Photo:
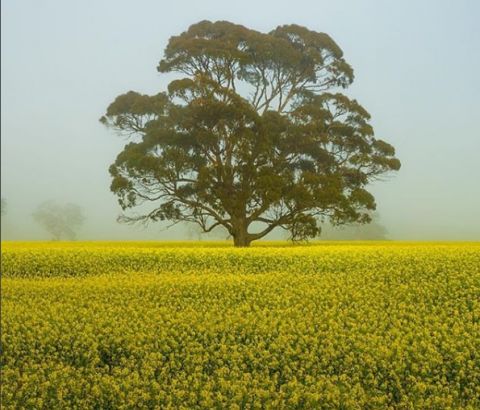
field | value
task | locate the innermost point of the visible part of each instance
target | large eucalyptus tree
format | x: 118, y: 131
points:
x: 254, y: 135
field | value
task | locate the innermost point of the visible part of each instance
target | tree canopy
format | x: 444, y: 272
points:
x: 253, y: 135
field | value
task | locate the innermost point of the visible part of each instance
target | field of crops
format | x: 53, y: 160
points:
x: 204, y: 325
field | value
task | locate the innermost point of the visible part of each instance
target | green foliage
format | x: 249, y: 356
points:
x: 370, y: 326
x: 256, y: 132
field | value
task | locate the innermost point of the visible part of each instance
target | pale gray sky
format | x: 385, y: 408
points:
x: 416, y: 63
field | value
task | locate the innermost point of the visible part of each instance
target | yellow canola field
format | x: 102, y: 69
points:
x: 202, y: 326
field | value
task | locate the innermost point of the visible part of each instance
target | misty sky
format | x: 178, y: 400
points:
x: 417, y: 71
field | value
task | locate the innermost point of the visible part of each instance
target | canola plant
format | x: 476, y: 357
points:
x: 207, y: 326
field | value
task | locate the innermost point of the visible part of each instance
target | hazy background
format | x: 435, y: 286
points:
x: 417, y: 71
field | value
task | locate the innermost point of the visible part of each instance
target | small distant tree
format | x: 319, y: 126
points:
x: 3, y: 207
x: 372, y: 231
x: 61, y: 221
x: 195, y: 232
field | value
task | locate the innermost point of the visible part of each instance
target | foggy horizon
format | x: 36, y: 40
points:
x: 416, y: 71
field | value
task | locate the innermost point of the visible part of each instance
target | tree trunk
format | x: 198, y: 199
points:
x: 241, y: 237
x: 241, y: 241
